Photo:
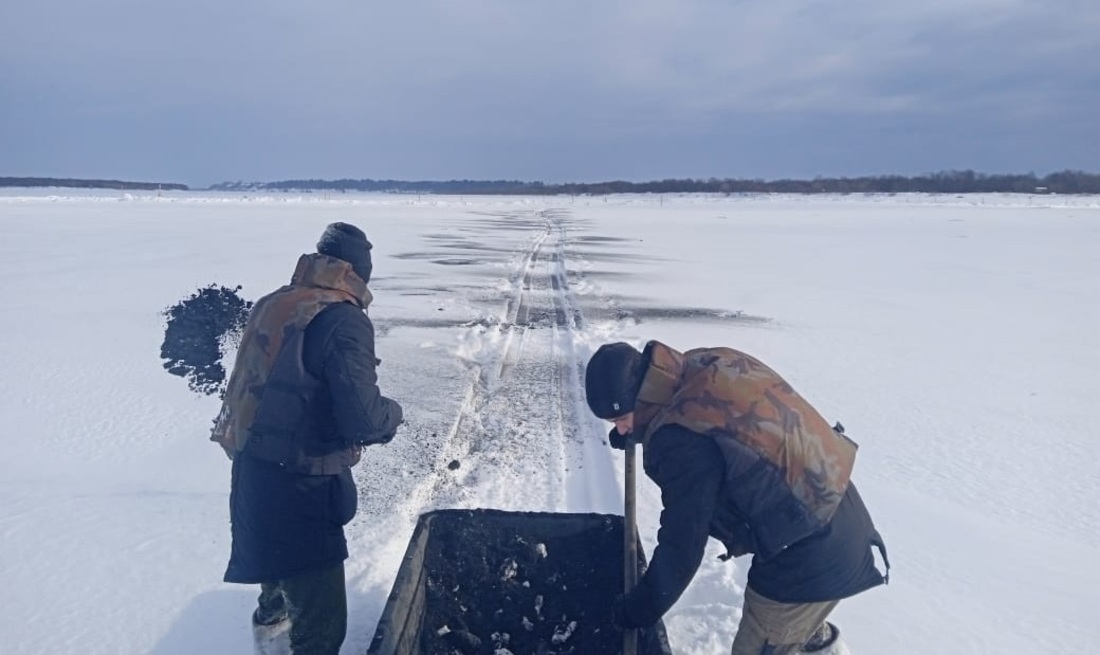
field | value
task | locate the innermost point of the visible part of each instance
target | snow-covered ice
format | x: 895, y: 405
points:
x: 953, y: 336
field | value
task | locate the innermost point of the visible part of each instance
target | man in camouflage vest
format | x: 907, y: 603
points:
x: 301, y: 404
x: 741, y: 457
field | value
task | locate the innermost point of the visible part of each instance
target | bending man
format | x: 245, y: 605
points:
x: 741, y: 457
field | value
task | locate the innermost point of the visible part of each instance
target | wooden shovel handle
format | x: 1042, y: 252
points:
x: 630, y: 545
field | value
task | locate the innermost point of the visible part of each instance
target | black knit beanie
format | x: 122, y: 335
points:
x: 611, y: 380
x: 349, y: 243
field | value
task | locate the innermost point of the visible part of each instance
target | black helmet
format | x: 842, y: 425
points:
x: 611, y: 380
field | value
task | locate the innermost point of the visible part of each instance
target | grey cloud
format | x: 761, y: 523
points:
x: 450, y: 89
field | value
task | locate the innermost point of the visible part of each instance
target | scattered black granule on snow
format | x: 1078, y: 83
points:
x: 494, y: 586
x: 197, y: 330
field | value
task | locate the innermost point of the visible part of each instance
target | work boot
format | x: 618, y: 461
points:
x: 825, y: 641
x: 262, y: 618
x: 271, y: 606
x: 272, y: 639
x: 271, y: 622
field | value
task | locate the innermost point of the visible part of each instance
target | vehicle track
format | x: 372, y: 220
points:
x: 519, y: 424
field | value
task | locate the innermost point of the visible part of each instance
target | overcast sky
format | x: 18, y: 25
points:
x: 203, y: 91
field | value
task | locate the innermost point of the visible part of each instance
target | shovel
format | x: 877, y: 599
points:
x: 630, y: 545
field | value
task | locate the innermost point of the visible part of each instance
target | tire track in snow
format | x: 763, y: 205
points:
x: 588, y: 476
x: 517, y: 436
x: 522, y: 434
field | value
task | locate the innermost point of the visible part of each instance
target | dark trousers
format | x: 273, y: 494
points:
x: 316, y: 604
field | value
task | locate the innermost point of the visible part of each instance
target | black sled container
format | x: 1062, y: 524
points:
x: 475, y: 581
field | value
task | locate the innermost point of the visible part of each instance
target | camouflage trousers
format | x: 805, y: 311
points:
x: 315, y: 605
x: 771, y: 628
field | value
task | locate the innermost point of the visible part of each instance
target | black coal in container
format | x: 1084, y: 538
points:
x: 496, y: 583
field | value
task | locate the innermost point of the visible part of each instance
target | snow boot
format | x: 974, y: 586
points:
x: 826, y: 641
x: 272, y: 639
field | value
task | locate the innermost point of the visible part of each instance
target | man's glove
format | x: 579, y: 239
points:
x: 620, y: 441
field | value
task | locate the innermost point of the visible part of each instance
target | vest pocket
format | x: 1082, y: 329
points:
x: 275, y: 435
x: 781, y: 525
x: 345, y: 497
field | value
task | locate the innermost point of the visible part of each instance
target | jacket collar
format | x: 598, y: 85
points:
x: 661, y: 381
x: 324, y: 272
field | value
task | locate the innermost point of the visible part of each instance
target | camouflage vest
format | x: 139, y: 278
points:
x: 272, y: 342
x: 725, y: 393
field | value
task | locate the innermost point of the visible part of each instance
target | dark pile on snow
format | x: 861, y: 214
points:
x: 199, y: 328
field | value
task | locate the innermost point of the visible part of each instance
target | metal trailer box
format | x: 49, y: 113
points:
x: 584, y: 547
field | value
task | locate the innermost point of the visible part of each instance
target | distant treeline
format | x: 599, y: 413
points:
x: 1065, y: 182
x: 89, y: 184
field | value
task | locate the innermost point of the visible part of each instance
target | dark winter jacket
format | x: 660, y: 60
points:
x: 285, y: 522
x: 266, y: 409
x: 740, y: 456
x: 796, y: 464
x: 700, y: 492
